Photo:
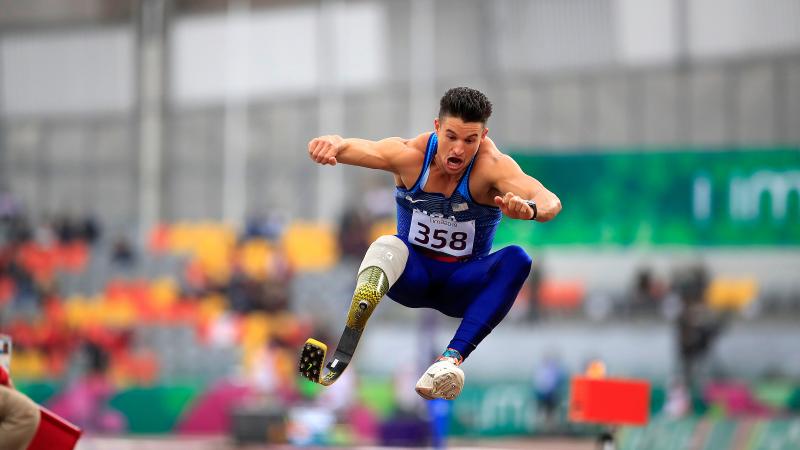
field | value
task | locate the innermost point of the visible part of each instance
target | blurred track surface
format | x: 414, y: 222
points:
x: 222, y: 443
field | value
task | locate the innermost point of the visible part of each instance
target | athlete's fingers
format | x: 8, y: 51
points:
x: 328, y: 154
x: 320, y: 146
x: 498, y: 200
x: 314, y: 149
x: 508, y: 199
x: 520, y: 205
x: 321, y: 153
x: 312, y: 144
x: 501, y: 203
x: 517, y: 205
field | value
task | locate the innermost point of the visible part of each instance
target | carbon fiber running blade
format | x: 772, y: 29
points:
x: 312, y: 359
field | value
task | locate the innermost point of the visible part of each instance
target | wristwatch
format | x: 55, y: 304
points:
x: 532, y: 204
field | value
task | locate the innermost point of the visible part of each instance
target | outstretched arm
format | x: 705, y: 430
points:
x: 391, y: 154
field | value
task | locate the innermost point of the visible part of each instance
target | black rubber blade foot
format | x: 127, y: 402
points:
x: 312, y: 359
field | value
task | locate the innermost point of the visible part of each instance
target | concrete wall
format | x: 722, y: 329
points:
x: 564, y: 76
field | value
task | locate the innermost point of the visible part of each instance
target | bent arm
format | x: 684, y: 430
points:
x: 510, y: 178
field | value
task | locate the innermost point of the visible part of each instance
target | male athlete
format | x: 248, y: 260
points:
x: 452, y: 187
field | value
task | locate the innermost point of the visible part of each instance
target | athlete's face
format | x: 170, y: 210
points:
x: 458, y: 143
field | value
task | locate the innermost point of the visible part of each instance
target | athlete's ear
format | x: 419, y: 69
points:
x: 485, y: 132
x: 436, y: 124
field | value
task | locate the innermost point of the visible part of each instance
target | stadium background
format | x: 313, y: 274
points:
x: 167, y: 245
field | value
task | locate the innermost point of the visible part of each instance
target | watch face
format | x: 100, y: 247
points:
x: 532, y: 204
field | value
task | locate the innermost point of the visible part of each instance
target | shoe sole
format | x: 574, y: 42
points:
x: 443, y: 387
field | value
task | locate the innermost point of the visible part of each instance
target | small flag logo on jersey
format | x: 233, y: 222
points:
x: 458, y: 207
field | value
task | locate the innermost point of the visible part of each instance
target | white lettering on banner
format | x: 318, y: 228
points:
x: 746, y: 193
x: 445, y: 235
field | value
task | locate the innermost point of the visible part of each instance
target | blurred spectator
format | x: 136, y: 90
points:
x: 65, y: 229
x: 86, y: 402
x: 548, y: 385
x: 679, y: 401
x: 122, y: 253
x: 648, y: 291
x: 19, y: 230
x: 697, y: 325
x: 89, y: 230
x: 9, y: 206
x: 353, y: 233
x: 534, y: 283
x: 269, y: 226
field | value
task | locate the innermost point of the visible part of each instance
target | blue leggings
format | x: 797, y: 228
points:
x: 481, y: 290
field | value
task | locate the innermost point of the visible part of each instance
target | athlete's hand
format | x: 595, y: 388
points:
x: 324, y: 149
x: 514, y: 206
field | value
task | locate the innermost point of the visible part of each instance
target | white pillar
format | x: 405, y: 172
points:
x: 151, y: 33
x: 424, y: 99
x: 330, y: 180
x: 236, y: 132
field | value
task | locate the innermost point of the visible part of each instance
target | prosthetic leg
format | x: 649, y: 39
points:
x: 383, y: 264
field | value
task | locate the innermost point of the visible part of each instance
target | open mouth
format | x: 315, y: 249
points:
x: 454, y: 162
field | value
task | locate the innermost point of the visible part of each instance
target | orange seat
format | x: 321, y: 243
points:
x: 254, y: 257
x: 731, y: 293
x: 159, y: 239
x: 310, y: 246
x: 561, y: 294
x: 381, y: 228
x: 74, y: 256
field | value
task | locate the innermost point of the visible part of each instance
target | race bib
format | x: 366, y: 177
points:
x: 442, y: 234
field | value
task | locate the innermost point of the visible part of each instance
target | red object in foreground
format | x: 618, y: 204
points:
x: 54, y: 433
x: 5, y: 380
x: 609, y: 401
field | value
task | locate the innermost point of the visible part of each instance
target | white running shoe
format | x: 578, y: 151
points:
x: 443, y: 379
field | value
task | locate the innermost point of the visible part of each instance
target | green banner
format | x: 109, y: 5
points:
x: 719, y: 198
x: 500, y: 409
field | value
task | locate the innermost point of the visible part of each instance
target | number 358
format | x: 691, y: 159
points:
x: 457, y: 240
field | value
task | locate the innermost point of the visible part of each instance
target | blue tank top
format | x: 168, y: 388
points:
x: 455, y: 225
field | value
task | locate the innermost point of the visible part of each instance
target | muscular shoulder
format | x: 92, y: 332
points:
x: 410, y: 160
x: 491, y: 164
x: 490, y: 161
x: 420, y: 143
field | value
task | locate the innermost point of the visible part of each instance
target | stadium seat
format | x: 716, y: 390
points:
x: 561, y: 294
x: 731, y: 293
x: 310, y: 247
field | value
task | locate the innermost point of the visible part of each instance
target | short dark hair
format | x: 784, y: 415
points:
x: 469, y: 105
